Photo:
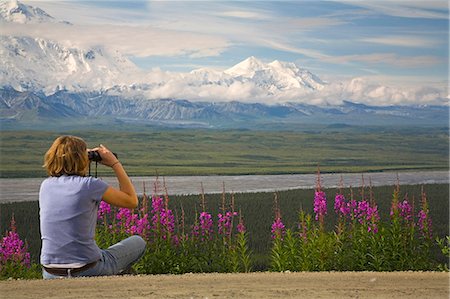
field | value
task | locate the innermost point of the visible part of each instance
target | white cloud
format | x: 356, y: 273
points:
x: 404, y: 41
x: 369, y: 91
x: 390, y: 59
x: 316, y: 22
x: 88, y: 12
x: 242, y: 14
x: 188, y: 86
x: 129, y: 40
x: 407, y: 9
x: 366, y: 90
x: 280, y: 45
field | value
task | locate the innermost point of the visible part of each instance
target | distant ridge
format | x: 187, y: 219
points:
x: 26, y: 108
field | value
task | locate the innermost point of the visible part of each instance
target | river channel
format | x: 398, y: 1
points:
x: 27, y: 189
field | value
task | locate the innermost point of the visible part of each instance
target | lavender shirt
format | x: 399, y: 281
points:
x: 68, y: 216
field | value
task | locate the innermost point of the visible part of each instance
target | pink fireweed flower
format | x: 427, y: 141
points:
x: 163, y: 220
x: 405, y: 210
x: 206, y: 224
x: 167, y: 222
x: 124, y: 214
x: 157, y: 207
x: 12, y: 248
x: 195, y: 230
x: 366, y: 215
x: 103, y: 209
x: 340, y: 206
x: 127, y: 220
x: 352, y: 208
x: 320, y: 205
x: 424, y: 223
x: 361, y: 211
x: 372, y: 218
x: 142, y: 225
x: 225, y: 222
x: 394, y: 213
x: 221, y: 223
x: 278, y: 229
x: 241, y: 227
x: 176, y: 240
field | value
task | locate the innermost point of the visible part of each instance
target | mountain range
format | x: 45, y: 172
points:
x: 44, y: 81
x: 34, y: 110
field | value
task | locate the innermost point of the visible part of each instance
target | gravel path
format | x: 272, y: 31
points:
x: 253, y: 285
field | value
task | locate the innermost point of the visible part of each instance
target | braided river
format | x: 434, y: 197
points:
x: 27, y: 189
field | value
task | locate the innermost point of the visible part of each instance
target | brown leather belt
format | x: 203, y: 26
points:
x: 69, y: 271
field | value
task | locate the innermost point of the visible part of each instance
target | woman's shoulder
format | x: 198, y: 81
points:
x: 64, y: 181
x: 87, y: 180
x: 94, y: 182
x: 70, y: 179
x: 74, y: 182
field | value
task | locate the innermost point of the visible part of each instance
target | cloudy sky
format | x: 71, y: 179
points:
x: 400, y: 44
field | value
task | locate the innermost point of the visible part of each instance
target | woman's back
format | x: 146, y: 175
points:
x: 68, y: 214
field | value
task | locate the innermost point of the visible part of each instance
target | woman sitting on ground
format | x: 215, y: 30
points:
x: 68, y: 203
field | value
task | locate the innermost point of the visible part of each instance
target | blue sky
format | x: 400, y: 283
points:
x: 400, y: 43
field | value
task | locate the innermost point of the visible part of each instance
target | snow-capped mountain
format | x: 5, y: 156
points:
x: 275, y: 75
x: 38, y: 64
x: 15, y: 12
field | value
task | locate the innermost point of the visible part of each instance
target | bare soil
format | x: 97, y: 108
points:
x: 253, y: 285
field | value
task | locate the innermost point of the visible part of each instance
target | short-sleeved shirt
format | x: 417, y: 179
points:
x: 68, y: 216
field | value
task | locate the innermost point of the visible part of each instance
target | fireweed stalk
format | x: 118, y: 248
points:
x: 14, y: 256
x: 398, y: 235
x: 12, y: 248
x: 279, y: 258
x: 320, y: 203
x: 242, y: 250
x: 278, y: 228
x: 224, y: 222
x: 234, y: 253
x: 342, y: 210
x: 206, y: 226
x: 307, y: 234
x: 424, y: 221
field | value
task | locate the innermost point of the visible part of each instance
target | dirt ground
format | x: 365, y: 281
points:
x: 253, y: 285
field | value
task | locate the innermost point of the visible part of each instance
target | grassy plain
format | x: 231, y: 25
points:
x: 146, y: 151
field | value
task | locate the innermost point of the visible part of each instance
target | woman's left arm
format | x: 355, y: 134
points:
x: 125, y: 196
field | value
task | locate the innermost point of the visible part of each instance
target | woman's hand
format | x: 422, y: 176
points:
x: 108, y: 157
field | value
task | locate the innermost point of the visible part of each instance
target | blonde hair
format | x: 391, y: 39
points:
x: 67, y: 155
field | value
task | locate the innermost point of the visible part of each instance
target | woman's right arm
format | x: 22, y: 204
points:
x: 125, y: 196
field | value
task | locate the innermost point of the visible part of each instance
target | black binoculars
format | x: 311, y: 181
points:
x: 95, y: 156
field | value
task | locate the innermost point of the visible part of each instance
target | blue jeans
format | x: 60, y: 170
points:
x: 114, y: 260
